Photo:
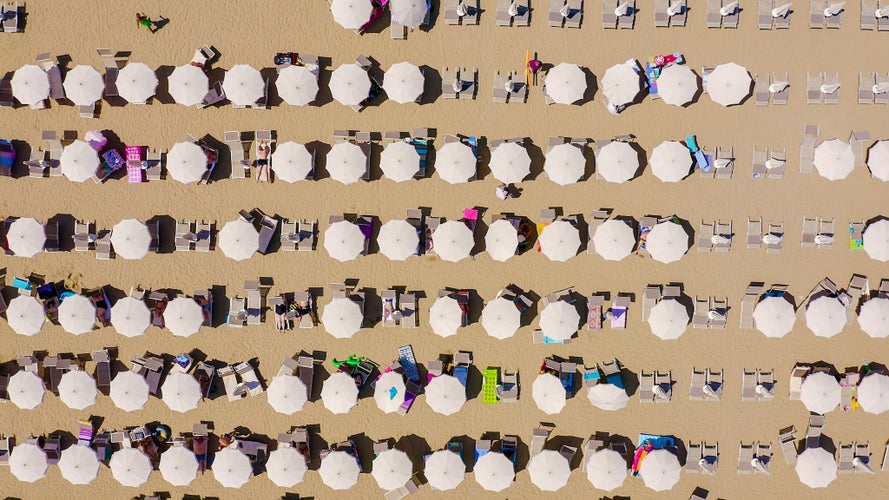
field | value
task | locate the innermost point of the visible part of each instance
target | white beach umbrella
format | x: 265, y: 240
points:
x: 510, y: 162
x: 549, y: 470
x: 564, y: 164
x: 565, y: 83
x: 501, y: 240
x: 25, y: 315
x: 816, y: 467
x: 445, y: 316
x: 286, y: 467
x: 79, y: 465
x: 238, y: 240
x: 873, y: 317
x: 493, y: 471
x: 559, y: 241
x: 291, y: 161
x: 667, y: 242
x: 129, y: 391
x: 878, y: 160
x: 79, y: 161
x: 84, y: 85
x: 188, y: 85
x: 178, y: 466
x: 130, y: 467
x: 621, y: 84
x: 389, y: 392
x: 453, y: 241
x: 339, y: 470
x: 186, y: 162
x: 834, y: 159
x: 77, y: 314
x: 608, y: 397
x: 130, y: 317
x: 728, y: 84
x: 346, y: 162
x: 136, y: 82
x: 444, y: 470
x: 342, y: 318
x: 403, y: 82
x: 873, y: 393
x: 668, y: 319
x: 455, y: 162
x: 410, y: 13
x: 243, y: 85
x: 297, y: 85
x: 559, y: 320
x: 660, y: 470
x: 182, y: 392
x: 398, y: 239
x: 820, y: 392
x: 26, y: 390
x: 826, y: 316
x: 183, y: 317
x: 30, y: 85
x: 343, y: 240
x: 351, y: 14
x: 606, y: 469
x: 876, y: 240
x: 501, y: 318
x: 617, y: 162
x: 77, y: 389
x: 677, y: 85
x: 231, y: 468
x: 392, y: 469
x: 27, y: 462
x: 130, y: 239
x: 287, y: 394
x: 25, y: 237
x: 614, y: 239
x: 670, y: 161
x: 339, y: 393
x: 548, y: 393
x: 349, y: 84
x: 400, y: 161
x: 774, y: 316
x: 446, y: 395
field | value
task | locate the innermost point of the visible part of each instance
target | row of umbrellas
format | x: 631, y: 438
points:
x: 350, y: 84
x: 821, y: 392
x: 188, y: 85
x: 549, y: 470
x: 456, y: 162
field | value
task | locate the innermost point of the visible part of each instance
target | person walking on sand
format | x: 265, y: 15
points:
x: 143, y: 20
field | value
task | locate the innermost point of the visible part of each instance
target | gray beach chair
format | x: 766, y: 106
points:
x: 723, y: 229
x: 748, y: 385
x: 448, y: 77
x: 764, y: 17
x: 575, y: 14
x: 698, y: 381
x: 661, y: 18
x: 519, y: 91
x: 664, y: 380
x: 795, y: 382
x: 714, y: 19
x: 827, y: 227
x: 646, y: 387
x: 650, y: 297
x: 503, y: 17
x: 807, y: 148
x: 705, y: 236
x: 731, y: 20
x: 745, y: 457
x: 868, y: 21
x: 835, y: 21
x: 780, y: 97
x: 761, y: 91
x: 680, y: 18
x: 883, y: 22
x: 500, y: 94
x: 844, y: 459
x: 467, y: 90
x: 833, y: 97
x: 760, y: 156
x: 556, y: 19
x: 693, y: 458
x: 627, y: 21
x: 523, y: 18
x: 882, y: 97
x: 787, y: 438
x: 810, y: 228
x: 609, y: 18
x: 781, y: 157
x: 775, y: 229
x: 813, y: 88
x: 725, y: 154
x: 754, y: 233
x: 866, y: 88
x: 816, y: 14
x: 860, y: 140
x: 764, y: 455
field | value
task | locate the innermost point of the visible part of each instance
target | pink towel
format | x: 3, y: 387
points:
x: 134, y: 174
x: 470, y: 214
x: 134, y: 153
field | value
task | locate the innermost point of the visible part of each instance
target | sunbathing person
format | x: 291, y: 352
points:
x: 101, y: 308
x: 388, y: 310
x: 262, y: 161
x: 281, y: 322
x: 205, y: 308
x: 159, y: 307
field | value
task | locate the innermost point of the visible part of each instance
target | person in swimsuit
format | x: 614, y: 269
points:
x: 262, y: 161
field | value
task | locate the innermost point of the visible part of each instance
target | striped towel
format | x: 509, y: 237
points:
x: 134, y: 174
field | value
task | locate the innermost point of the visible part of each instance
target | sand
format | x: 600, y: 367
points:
x: 249, y: 33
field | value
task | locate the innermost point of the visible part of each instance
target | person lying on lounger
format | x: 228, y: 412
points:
x: 262, y: 161
x: 281, y: 322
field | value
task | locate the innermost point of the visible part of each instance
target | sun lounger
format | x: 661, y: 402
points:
x: 882, y: 97
x: 713, y: 388
x: 776, y: 231
x: 780, y: 98
x: 796, y: 381
x: 500, y: 94
x: 664, y: 382
x: 814, y: 431
x: 701, y: 318
x: 868, y: 20
x: 230, y: 381
x: 745, y: 457
x: 718, y: 313
x: 693, y: 458
x: 248, y: 376
x: 409, y: 317
x: 523, y: 17
x: 860, y: 140
x: 787, y: 438
x: 714, y: 18
x: 826, y: 229
x: 780, y: 158
x: 650, y: 297
x: 862, y: 453
x: 865, y: 88
x: 760, y: 156
x: 748, y: 385
x: 609, y: 18
x: 467, y: 90
x: 705, y: 236
x: 575, y: 14
x: 595, y: 305
x: 764, y: 16
x: 625, y: 22
x: 519, y: 91
x: 661, y: 18
x: 810, y: 228
x: 11, y: 17
x: 646, y: 387
x: 883, y: 22
x: 833, y: 97
x: 807, y: 149
x: 503, y: 17
x: 816, y: 14
x: 448, y: 77
x: 698, y: 380
x: 539, y: 436
x: 761, y: 90
x: 763, y: 456
x: 813, y: 88
x: 237, y: 312
x: 730, y: 20
x: 619, y: 307
x: 724, y: 231
x: 748, y: 303
x: 254, y: 302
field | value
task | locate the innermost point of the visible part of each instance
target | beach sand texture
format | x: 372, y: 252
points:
x: 252, y: 32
